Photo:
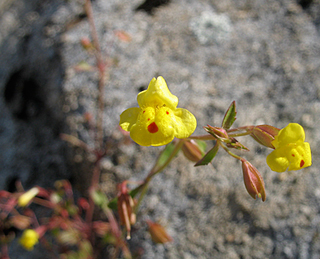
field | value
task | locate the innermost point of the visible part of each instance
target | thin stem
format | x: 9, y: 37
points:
x: 101, y: 67
x: 239, y: 134
x: 93, y: 186
x: 157, y: 169
x: 142, y: 194
x: 202, y: 137
x: 93, y: 30
x: 229, y: 152
x: 43, y: 202
x: 248, y: 129
x: 75, y: 141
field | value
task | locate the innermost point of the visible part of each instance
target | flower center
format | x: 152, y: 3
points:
x: 153, y: 128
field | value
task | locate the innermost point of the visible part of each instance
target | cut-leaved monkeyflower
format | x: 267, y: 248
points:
x: 291, y: 152
x: 157, y: 120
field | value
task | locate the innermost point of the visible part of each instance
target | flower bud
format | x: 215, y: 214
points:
x: 192, y: 151
x: 217, y: 132
x: 158, y: 233
x: 101, y: 228
x: 126, y: 208
x: 20, y: 221
x: 86, y: 43
x: 29, y: 239
x: 25, y: 198
x: 264, y: 134
x: 70, y: 236
x: 253, y: 180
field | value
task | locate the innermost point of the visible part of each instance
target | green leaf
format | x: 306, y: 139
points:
x: 99, y: 198
x: 209, y: 156
x: 230, y: 116
x: 202, y: 145
x: 165, y: 157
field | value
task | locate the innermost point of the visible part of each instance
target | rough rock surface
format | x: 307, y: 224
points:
x: 265, y: 55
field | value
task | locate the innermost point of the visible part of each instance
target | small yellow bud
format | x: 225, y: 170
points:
x: 25, y: 198
x: 29, y: 239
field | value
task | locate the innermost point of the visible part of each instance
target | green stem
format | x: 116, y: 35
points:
x: 229, y: 152
x: 143, y: 193
x: 157, y: 169
x: 248, y: 129
x: 239, y: 134
x: 202, y: 137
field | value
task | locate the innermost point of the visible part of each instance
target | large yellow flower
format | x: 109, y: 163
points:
x: 157, y: 120
x: 291, y: 152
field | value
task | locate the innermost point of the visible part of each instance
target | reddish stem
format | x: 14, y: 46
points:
x: 101, y: 67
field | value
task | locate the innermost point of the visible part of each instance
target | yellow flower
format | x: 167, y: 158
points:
x: 25, y: 198
x: 29, y: 238
x: 157, y: 120
x: 291, y: 152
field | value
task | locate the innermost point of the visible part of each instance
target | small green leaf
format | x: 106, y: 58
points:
x: 202, y: 145
x: 165, y: 157
x: 230, y: 116
x: 236, y: 144
x: 209, y: 156
x: 99, y: 198
x: 83, y: 66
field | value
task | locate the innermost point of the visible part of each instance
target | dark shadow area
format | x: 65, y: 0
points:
x: 149, y: 6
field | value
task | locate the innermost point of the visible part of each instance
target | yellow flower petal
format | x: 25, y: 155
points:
x: 300, y: 156
x: 157, y: 94
x: 290, y: 134
x: 128, y: 118
x: 151, y: 129
x: 277, y: 162
x: 184, y: 124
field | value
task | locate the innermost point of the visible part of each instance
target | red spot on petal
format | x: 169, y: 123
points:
x: 293, y: 155
x: 301, y: 163
x: 153, y: 128
x: 167, y: 112
x: 143, y: 111
x: 148, y: 119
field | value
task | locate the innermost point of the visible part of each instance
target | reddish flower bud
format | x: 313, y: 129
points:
x: 126, y: 208
x: 253, y: 180
x: 158, y: 233
x: 101, y: 228
x: 192, y: 151
x: 264, y: 134
x: 219, y: 133
x: 86, y: 43
x: 20, y: 221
